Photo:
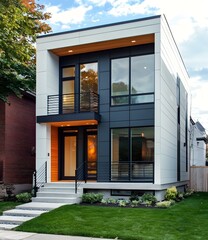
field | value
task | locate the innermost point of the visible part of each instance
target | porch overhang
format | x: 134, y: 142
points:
x: 76, y: 119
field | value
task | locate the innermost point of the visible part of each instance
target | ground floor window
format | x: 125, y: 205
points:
x: 132, y: 154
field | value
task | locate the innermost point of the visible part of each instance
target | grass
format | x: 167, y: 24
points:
x: 7, y: 206
x: 185, y: 220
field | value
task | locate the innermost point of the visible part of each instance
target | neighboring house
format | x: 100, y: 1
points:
x: 17, y: 141
x: 112, y: 103
x: 198, y: 141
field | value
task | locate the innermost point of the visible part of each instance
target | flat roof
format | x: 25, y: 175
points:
x: 99, y: 26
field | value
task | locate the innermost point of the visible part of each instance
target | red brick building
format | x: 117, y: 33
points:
x: 17, y: 141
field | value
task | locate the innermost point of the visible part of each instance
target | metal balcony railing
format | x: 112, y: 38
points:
x: 140, y: 171
x: 73, y: 103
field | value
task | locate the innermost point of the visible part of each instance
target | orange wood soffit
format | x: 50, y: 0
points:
x: 74, y: 123
x: 105, y: 45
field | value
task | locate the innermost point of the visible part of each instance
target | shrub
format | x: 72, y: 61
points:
x: 92, y: 197
x: 148, y: 199
x: 171, y: 193
x: 111, y: 201
x: 134, y: 197
x: 164, y: 204
x: 135, y: 203
x: 24, y: 197
x: 123, y: 203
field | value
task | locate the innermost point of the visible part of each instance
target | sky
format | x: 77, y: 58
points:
x: 188, y: 21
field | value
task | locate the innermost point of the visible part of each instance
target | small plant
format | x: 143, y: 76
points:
x: 104, y: 201
x: 180, y: 196
x: 111, y: 201
x: 188, y: 192
x: 134, y: 197
x: 92, y: 197
x: 24, y: 197
x: 148, y: 199
x: 164, y: 204
x: 171, y: 193
x: 123, y: 203
x: 135, y: 203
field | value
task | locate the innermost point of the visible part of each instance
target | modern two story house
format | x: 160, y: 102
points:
x: 112, y: 108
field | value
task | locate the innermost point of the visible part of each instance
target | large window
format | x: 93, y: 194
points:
x: 88, y: 85
x: 132, y: 80
x: 132, y: 154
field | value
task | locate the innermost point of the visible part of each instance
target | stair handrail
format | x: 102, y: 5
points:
x: 39, y: 178
x: 79, y: 172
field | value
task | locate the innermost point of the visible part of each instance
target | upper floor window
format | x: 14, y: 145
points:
x: 132, y: 80
x: 89, y: 77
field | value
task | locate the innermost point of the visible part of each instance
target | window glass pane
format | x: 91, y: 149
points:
x: 120, y: 154
x: 142, y: 98
x: 119, y: 100
x: 68, y: 72
x: 89, y: 77
x: 120, y: 76
x: 68, y: 96
x: 142, y: 142
x: 142, y: 74
x: 68, y: 87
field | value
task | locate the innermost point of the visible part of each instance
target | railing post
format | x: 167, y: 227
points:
x: 45, y: 171
x: 35, y: 183
x: 76, y: 181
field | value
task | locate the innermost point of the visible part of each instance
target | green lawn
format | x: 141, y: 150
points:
x: 7, y: 205
x: 185, y: 220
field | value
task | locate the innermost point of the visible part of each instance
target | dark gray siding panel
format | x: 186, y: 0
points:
x: 104, y: 80
x: 104, y: 96
x: 119, y: 116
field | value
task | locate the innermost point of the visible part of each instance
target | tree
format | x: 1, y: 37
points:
x: 20, y: 22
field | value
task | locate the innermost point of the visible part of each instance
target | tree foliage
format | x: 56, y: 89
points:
x: 20, y: 22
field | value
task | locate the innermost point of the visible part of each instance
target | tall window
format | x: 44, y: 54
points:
x: 132, y: 80
x: 68, y: 78
x: 132, y: 154
x: 88, y: 85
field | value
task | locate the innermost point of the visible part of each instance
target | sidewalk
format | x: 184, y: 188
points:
x: 14, y: 235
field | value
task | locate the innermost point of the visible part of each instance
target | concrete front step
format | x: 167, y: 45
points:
x: 14, y: 219
x: 58, y: 189
x: 40, y: 206
x: 60, y: 184
x: 57, y: 194
x: 8, y: 226
x: 23, y: 213
x: 69, y: 200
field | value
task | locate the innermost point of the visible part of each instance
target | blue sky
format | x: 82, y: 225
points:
x: 188, y: 21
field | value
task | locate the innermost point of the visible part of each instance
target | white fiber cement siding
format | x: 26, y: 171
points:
x: 94, y: 35
x: 47, y: 83
x: 166, y: 110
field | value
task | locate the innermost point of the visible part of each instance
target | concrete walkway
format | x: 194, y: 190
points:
x: 13, y: 235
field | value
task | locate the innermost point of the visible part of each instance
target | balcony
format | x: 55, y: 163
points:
x: 73, y: 103
x: 72, y: 108
x: 133, y: 171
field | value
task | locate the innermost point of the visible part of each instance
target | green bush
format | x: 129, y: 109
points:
x: 24, y: 197
x: 92, y: 197
x: 123, y: 202
x: 148, y: 199
x: 164, y: 204
x: 171, y: 193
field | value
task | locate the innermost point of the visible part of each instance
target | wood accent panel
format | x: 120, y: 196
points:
x: 54, y: 154
x: 104, y: 45
x: 74, y: 123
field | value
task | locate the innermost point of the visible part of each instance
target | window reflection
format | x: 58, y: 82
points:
x: 120, y: 76
x: 137, y: 72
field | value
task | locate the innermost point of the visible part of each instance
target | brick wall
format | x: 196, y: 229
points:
x: 19, y: 162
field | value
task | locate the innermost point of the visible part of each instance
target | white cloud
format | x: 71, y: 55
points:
x: 74, y: 15
x: 199, y: 93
